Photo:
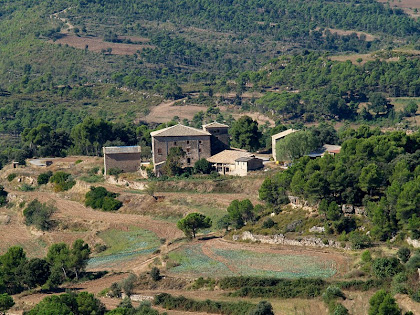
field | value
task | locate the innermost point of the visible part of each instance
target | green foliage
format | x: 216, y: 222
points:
x: 100, y: 198
x: 359, y: 240
x: 114, y: 172
x: 202, y: 166
x: 44, y: 178
x: 403, y: 254
x: 382, y: 303
x: 386, y: 267
x: 240, y: 212
x: 262, y: 308
x: 192, y: 223
x: 296, y: 145
x: 11, y: 177
x: 268, y: 223
x: 245, y: 134
x: 155, y: 274
x: 62, y: 181
x: 181, y: 303
x: 127, y: 285
x: 6, y: 302
x: 340, y: 309
x: 38, y: 214
x: 83, y: 303
x: 173, y: 164
x: 3, y: 196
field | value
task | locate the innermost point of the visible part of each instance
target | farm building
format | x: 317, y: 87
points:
x: 278, y: 137
x: 125, y: 158
x: 233, y: 162
x: 219, y: 136
x: 325, y: 149
x: 194, y: 142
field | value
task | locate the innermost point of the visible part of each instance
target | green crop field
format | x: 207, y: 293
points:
x: 124, y: 245
x: 191, y: 260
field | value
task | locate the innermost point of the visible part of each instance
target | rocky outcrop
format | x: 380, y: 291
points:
x: 414, y: 243
x: 123, y: 182
x: 282, y: 240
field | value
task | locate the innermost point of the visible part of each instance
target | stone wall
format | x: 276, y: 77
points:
x: 127, y: 162
x: 280, y: 239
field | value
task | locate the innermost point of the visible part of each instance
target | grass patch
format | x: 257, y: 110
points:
x: 124, y: 245
x: 92, y: 178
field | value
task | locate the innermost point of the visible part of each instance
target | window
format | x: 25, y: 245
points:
x: 174, y: 142
x: 188, y: 150
x: 200, y: 142
x: 199, y: 150
x: 160, y: 151
x: 188, y: 142
x: 188, y: 161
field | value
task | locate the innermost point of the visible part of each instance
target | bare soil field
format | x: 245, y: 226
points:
x: 407, y: 5
x: 97, y: 44
x: 165, y: 111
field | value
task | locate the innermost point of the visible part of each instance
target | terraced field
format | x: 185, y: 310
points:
x: 124, y: 246
x: 217, y: 258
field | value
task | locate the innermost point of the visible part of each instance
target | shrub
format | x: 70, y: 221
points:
x: 382, y: 303
x: 268, y: 223
x: 100, y: 198
x: 202, y: 166
x: 127, y: 285
x: 359, y: 241
x: 3, y: 196
x: 43, y: 178
x: 386, y: 267
x: 38, y: 214
x: 340, y: 309
x: 414, y: 262
x: 155, y: 274
x: 168, y: 301
x: 114, y: 171
x: 62, y: 181
x: 26, y: 187
x: 6, y: 302
x: 11, y: 176
x: 416, y: 296
x: 332, y: 293
x: 263, y: 308
x: 404, y: 254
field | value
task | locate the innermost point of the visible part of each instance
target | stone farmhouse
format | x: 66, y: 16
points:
x: 235, y: 162
x: 125, y: 158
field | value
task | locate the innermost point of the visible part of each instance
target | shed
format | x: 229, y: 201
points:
x: 233, y: 162
x: 125, y: 158
x: 277, y: 137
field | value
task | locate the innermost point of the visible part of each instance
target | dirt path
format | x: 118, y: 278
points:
x: 65, y: 21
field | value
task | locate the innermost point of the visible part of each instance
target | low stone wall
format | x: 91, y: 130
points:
x: 280, y: 239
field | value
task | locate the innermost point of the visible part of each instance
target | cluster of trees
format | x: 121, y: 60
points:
x: 100, y: 198
x: 324, y: 88
x: 379, y: 171
x: 62, y: 263
x: 238, y: 214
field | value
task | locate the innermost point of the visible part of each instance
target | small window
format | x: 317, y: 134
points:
x: 200, y: 142
x: 160, y: 151
x: 199, y: 150
x: 174, y: 142
x: 188, y: 161
x: 188, y: 150
x: 188, y: 142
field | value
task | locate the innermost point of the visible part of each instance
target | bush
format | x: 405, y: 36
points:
x: 386, y: 267
x: 416, y: 296
x: 359, y: 241
x: 263, y: 308
x: 11, y: 176
x: 38, y: 214
x: 340, y: 309
x: 44, y: 178
x: 100, y: 198
x: 127, y: 285
x: 114, y: 171
x: 404, y: 254
x: 268, y: 223
x: 414, y: 262
x: 155, y: 274
x: 382, y: 303
x: 203, y: 166
x: 26, y: 187
x: 332, y: 293
x: 3, y: 196
x: 62, y: 181
x: 168, y: 301
x: 6, y: 302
